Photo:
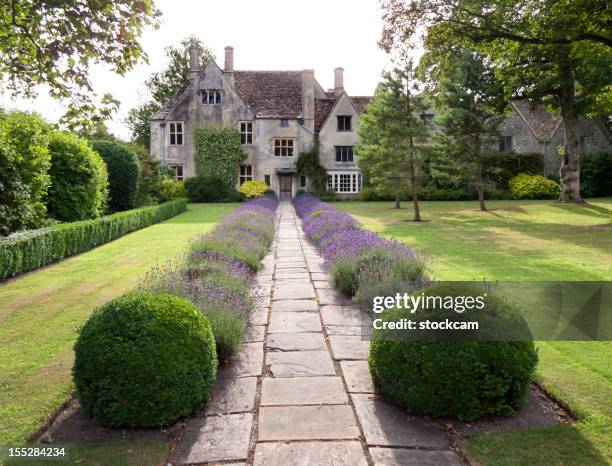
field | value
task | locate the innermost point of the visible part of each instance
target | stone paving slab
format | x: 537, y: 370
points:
x: 299, y: 363
x: 296, y: 342
x: 247, y: 363
x: 290, y: 265
x: 280, y: 273
x: 385, y: 424
x: 349, y: 347
x: 259, y: 316
x: 233, y: 396
x: 319, y: 276
x: 343, y: 315
x: 357, y: 376
x: 303, y: 391
x: 323, y: 285
x: 294, y: 292
x: 295, y: 305
x: 307, y: 423
x: 332, y: 297
x: 413, y: 457
x: 215, y: 438
x: 292, y: 322
x: 364, y: 332
x: 302, y: 276
x: 347, y: 453
x: 254, y: 333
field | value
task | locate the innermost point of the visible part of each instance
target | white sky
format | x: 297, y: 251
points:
x: 266, y: 35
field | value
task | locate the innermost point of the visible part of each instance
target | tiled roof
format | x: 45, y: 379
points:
x: 322, y: 109
x: 360, y: 102
x: 270, y: 94
x: 163, y: 112
x: 540, y: 121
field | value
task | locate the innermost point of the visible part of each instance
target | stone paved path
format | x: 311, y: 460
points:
x: 299, y: 392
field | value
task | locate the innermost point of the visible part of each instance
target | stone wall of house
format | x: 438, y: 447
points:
x: 330, y: 137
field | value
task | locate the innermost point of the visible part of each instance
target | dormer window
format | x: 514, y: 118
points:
x: 344, y: 123
x: 211, y: 97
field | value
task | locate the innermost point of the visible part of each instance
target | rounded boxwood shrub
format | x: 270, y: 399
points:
x: 468, y: 378
x: 253, y: 188
x: 79, y: 179
x: 123, y: 173
x: 524, y: 186
x: 144, y: 360
x: 206, y: 188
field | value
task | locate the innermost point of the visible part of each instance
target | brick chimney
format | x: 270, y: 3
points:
x: 308, y: 85
x: 194, y: 60
x: 229, y: 59
x: 338, y: 80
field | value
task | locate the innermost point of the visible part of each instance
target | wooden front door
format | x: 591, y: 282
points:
x: 285, y: 187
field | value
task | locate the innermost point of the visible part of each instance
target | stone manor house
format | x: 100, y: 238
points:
x: 281, y: 113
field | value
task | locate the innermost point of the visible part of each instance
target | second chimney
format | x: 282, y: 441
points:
x: 229, y: 58
x: 338, y: 80
x: 194, y: 59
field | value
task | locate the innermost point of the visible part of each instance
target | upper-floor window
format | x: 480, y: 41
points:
x: 427, y: 118
x: 344, y: 153
x: 505, y: 144
x: 344, y: 122
x: 178, y: 171
x: 246, y: 132
x: 283, y: 147
x: 211, y: 97
x: 284, y: 121
x: 246, y: 173
x: 176, y: 133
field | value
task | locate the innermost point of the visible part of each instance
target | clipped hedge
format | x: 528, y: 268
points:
x: 144, y: 360
x: 467, y: 379
x: 29, y: 250
x: 596, y: 174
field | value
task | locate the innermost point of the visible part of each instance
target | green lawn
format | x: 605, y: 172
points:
x: 524, y: 240
x: 40, y: 311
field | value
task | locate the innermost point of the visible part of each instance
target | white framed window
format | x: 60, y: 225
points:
x: 344, y: 153
x: 505, y: 144
x: 344, y: 182
x: 211, y: 97
x: 246, y: 173
x: 246, y: 132
x: 178, y: 171
x: 283, y: 147
x: 176, y: 133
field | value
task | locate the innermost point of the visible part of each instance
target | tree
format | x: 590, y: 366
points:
x: 392, y: 135
x: 55, y: 43
x: 162, y: 86
x: 24, y: 171
x: 472, y: 104
x: 552, y: 52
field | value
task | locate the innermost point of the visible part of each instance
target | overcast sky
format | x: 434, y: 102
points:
x: 266, y: 35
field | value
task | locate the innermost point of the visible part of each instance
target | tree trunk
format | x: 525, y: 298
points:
x: 569, y: 173
x: 478, y: 176
x: 397, y: 202
x: 413, y: 186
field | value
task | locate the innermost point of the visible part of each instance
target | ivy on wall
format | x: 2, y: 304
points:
x: 309, y: 164
x: 218, y: 153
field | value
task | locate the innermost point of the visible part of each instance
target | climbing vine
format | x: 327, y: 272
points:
x: 309, y: 164
x: 218, y: 152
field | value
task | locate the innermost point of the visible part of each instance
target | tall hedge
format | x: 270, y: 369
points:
x: 24, y: 165
x: 32, y: 249
x: 596, y: 174
x: 218, y: 153
x: 123, y: 173
x: 79, y: 179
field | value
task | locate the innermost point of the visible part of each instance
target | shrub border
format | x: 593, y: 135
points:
x: 29, y: 250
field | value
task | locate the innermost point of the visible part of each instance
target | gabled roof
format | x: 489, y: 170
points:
x: 323, y: 107
x: 163, y: 112
x: 270, y: 94
x: 541, y: 122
